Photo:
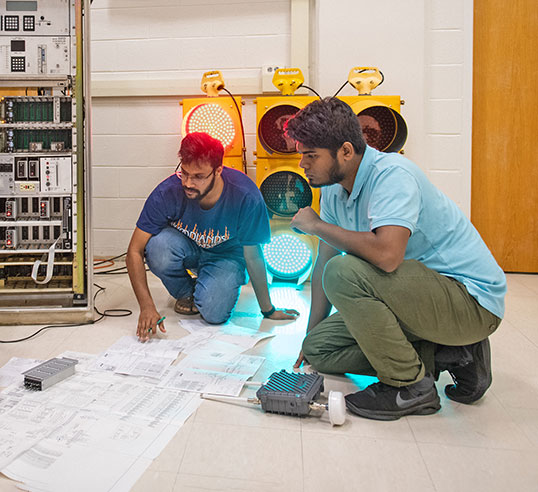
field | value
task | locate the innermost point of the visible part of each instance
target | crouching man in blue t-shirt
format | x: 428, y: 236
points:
x: 418, y: 291
x: 207, y: 219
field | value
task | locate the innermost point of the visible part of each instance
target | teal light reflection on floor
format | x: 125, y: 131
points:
x: 360, y: 380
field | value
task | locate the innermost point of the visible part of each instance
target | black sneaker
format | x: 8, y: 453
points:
x: 471, y: 380
x: 383, y: 402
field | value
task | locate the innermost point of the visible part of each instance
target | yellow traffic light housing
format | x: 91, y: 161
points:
x: 383, y: 126
x: 282, y: 182
x: 271, y: 114
x: 289, y: 256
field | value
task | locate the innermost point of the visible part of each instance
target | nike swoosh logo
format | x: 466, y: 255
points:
x: 401, y: 403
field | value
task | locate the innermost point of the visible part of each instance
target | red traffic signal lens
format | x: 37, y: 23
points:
x: 271, y: 130
x: 382, y: 128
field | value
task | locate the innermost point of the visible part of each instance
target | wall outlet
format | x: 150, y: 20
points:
x: 267, y: 78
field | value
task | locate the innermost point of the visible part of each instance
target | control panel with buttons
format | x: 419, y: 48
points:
x: 11, y: 23
x: 44, y: 18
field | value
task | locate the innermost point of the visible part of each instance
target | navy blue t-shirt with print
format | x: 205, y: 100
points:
x: 239, y: 218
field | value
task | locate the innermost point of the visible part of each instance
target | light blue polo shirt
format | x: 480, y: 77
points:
x: 390, y: 190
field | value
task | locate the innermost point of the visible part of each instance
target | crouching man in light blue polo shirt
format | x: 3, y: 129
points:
x: 417, y: 291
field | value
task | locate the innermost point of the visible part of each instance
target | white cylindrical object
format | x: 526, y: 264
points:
x: 337, y: 408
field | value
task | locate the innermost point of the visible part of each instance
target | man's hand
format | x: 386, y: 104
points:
x: 147, y: 324
x: 299, y: 360
x: 284, y: 314
x: 305, y: 220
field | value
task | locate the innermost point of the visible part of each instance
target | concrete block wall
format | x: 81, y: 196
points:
x: 136, y: 139
x: 448, y: 97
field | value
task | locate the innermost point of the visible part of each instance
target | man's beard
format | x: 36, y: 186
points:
x: 335, y: 176
x: 201, y: 195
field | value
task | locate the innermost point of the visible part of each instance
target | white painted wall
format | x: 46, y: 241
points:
x: 423, y: 48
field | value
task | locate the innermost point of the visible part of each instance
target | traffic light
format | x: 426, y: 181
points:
x: 383, y: 126
x: 282, y: 182
x: 219, y: 116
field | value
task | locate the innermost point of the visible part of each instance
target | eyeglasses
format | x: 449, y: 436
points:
x: 195, y: 178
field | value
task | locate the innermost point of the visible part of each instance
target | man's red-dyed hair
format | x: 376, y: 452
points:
x: 201, y: 147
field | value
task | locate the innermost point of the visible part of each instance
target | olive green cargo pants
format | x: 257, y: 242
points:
x: 388, y: 324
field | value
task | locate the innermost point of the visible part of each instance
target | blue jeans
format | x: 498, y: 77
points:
x: 170, y: 253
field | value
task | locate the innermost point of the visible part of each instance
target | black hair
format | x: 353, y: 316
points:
x: 327, y: 123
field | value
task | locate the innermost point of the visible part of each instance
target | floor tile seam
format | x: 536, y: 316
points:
x: 239, y: 479
x: 361, y: 436
x: 516, y: 407
x: 513, y: 325
x: 533, y: 449
x: 285, y: 429
x: 196, y: 420
x: 184, y: 450
x: 524, y: 335
x: 225, y: 424
x: 517, y: 295
x: 521, y: 284
x: 514, y: 421
x: 302, y: 454
x: 425, y: 464
x: 175, y: 481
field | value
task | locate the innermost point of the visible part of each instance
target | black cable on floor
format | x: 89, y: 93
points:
x: 112, y: 313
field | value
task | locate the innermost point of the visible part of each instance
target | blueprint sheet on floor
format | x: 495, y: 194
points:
x: 91, y: 432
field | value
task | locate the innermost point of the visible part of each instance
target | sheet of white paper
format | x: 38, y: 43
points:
x: 228, y: 332
x: 245, y: 365
x: 12, y: 371
x: 196, y: 339
x: 218, y: 383
x: 148, y: 366
x: 194, y: 325
x: 114, y: 424
x: 105, y: 422
x: 49, y: 466
x: 156, y: 347
x: 216, y: 349
x: 244, y: 340
x: 132, y: 475
x: 84, y: 359
x: 107, y: 361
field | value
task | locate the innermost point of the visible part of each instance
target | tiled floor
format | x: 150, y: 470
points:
x: 489, y: 446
